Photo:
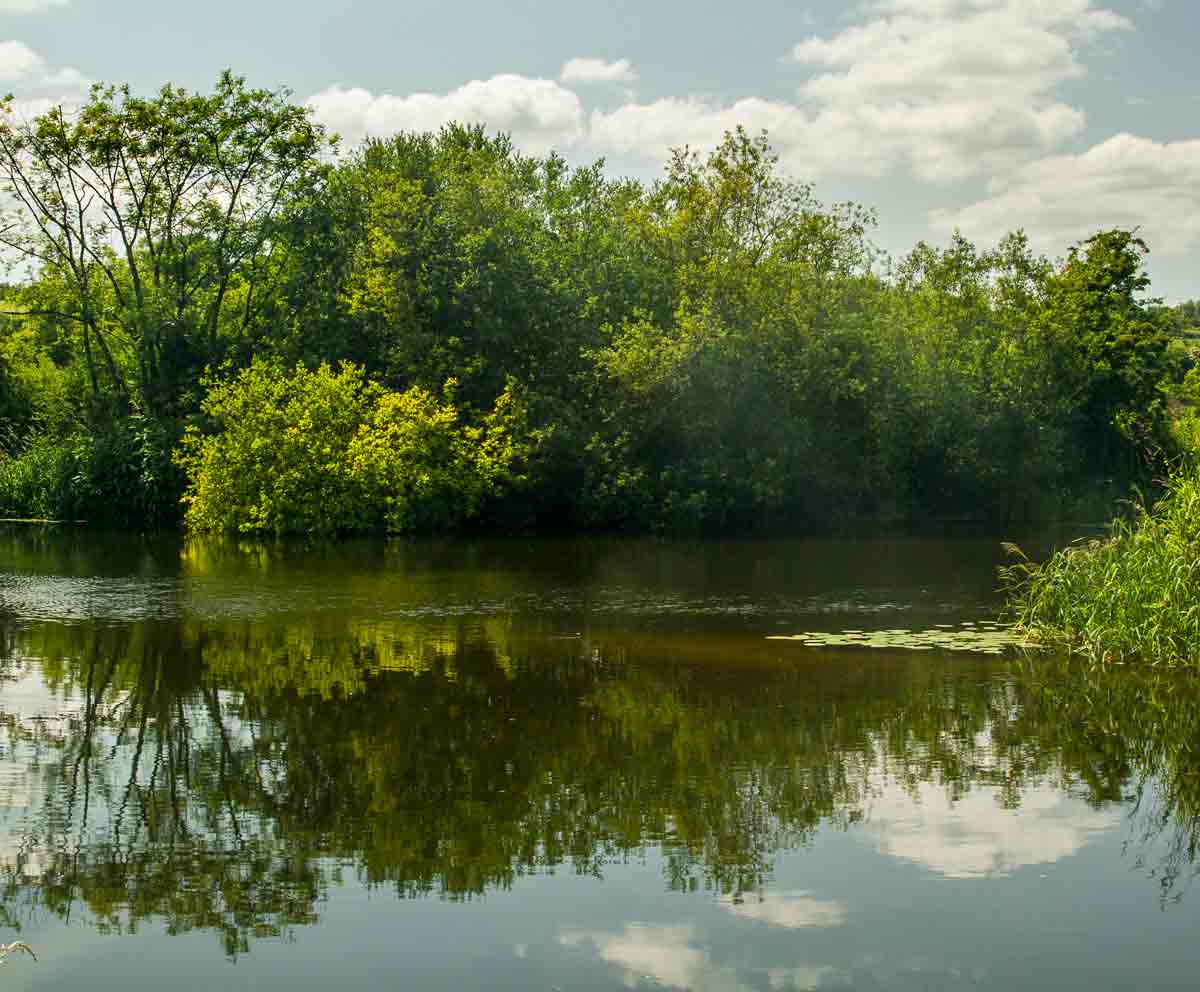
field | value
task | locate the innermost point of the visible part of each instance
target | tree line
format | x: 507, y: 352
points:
x: 213, y: 312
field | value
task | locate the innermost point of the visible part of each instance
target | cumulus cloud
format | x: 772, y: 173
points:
x: 649, y: 130
x: 539, y: 113
x: 589, y: 70
x: 1125, y: 181
x: 945, y: 89
x: 953, y: 87
x: 25, y: 70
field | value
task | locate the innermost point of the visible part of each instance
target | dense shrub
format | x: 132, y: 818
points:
x: 325, y: 451
x: 121, y: 476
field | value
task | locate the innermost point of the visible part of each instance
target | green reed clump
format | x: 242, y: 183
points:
x: 1131, y: 596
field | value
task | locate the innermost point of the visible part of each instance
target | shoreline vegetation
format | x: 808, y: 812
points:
x: 1132, y: 596
x: 217, y: 318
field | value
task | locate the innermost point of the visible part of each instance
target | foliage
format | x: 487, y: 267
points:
x: 153, y: 219
x: 328, y: 451
x: 714, y: 351
x: 1113, y: 358
x: 1131, y: 596
x: 123, y: 476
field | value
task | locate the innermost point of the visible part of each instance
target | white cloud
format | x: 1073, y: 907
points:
x: 650, y: 130
x: 1125, y: 181
x: 954, y: 87
x: 25, y: 71
x: 539, y: 113
x: 589, y: 70
x: 945, y: 89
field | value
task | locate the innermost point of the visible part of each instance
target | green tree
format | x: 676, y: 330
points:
x: 735, y: 397
x: 154, y: 219
x: 1113, y: 357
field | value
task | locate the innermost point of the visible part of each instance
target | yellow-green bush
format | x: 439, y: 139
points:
x: 325, y: 451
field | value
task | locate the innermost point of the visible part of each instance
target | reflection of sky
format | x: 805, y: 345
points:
x: 664, y: 954
x: 671, y: 955
x: 791, y: 910
x: 975, y: 836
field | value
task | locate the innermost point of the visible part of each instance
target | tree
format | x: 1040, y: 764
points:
x: 155, y: 219
x: 1112, y: 348
x: 732, y: 394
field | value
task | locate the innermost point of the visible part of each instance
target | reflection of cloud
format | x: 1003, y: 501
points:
x: 793, y: 910
x: 663, y: 952
x: 668, y: 955
x: 976, y: 837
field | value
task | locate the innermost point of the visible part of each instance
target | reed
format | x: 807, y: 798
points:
x: 1132, y: 596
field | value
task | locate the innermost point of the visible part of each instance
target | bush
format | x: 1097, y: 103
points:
x: 39, y: 481
x: 325, y: 452
x: 121, y: 476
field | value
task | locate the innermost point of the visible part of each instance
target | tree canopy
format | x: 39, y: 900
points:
x: 717, y: 350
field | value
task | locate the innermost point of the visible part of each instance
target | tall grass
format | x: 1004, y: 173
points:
x: 122, y: 476
x: 1131, y: 596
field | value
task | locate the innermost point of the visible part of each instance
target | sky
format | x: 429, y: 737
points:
x: 1062, y: 117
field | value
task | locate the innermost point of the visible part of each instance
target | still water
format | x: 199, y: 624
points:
x: 576, y: 766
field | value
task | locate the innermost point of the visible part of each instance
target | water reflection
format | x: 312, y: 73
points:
x: 975, y: 836
x: 224, y: 769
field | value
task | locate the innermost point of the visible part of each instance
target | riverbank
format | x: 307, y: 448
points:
x: 1132, y: 596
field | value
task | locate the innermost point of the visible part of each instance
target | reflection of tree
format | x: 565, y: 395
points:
x: 1129, y: 734
x: 217, y: 775
x: 144, y: 806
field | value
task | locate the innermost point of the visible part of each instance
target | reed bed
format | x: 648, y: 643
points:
x: 1132, y: 596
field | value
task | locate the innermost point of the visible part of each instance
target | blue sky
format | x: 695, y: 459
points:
x: 1059, y: 116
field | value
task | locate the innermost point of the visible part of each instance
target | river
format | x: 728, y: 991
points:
x: 574, y: 765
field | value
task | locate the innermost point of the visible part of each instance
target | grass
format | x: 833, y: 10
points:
x: 1133, y: 596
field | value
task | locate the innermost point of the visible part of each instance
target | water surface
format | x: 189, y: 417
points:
x: 574, y: 765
